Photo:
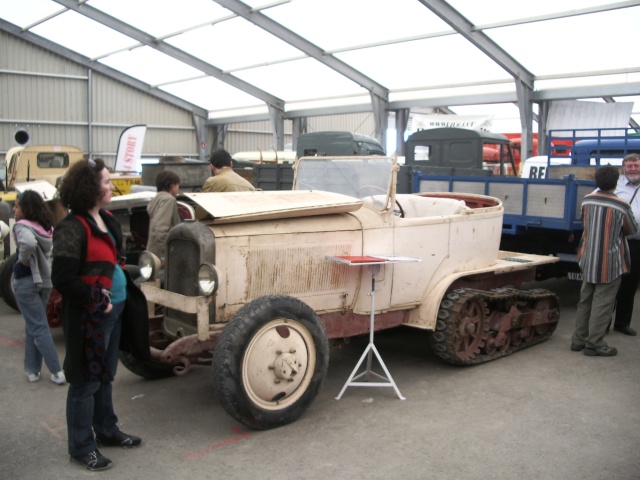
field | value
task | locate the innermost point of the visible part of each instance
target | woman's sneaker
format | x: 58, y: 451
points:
x: 58, y: 378
x: 33, y: 377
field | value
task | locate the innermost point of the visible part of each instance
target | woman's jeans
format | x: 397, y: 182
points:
x: 89, y: 404
x: 38, y: 343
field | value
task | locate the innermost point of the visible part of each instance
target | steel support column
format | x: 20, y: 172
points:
x: 525, y: 105
x: 402, y: 121
x: 220, y: 136
x: 276, y: 116
x: 380, y: 108
x: 299, y: 127
x: 200, y: 124
x: 543, y: 116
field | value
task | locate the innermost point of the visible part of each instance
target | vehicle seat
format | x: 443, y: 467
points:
x: 415, y: 206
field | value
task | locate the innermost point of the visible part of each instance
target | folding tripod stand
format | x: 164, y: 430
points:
x: 373, y: 266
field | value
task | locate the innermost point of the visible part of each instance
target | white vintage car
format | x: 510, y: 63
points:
x: 253, y: 288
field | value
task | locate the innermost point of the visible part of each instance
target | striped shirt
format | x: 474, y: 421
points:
x: 603, y: 253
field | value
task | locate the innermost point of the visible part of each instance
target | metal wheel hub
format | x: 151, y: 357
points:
x: 278, y: 363
x: 286, y: 366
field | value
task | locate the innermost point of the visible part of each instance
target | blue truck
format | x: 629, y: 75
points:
x: 541, y: 215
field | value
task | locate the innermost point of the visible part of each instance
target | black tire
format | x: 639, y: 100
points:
x: 270, y: 361
x: 5, y: 214
x: 148, y: 370
x: 6, y: 275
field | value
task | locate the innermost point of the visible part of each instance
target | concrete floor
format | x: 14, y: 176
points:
x: 543, y: 413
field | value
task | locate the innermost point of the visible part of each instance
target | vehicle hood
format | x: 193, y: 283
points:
x: 232, y: 207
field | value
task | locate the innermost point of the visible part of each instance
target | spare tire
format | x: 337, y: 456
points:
x: 6, y: 275
x: 5, y: 214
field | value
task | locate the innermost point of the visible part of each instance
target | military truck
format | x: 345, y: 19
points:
x: 542, y: 213
x: 37, y: 162
x: 251, y: 289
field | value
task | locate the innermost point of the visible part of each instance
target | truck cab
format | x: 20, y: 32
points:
x: 324, y: 144
x: 37, y: 162
x: 455, y: 151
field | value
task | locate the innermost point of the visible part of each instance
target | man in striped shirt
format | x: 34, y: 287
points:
x: 603, y: 256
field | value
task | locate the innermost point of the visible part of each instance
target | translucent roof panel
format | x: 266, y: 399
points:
x: 490, y: 12
x: 150, y: 66
x: 28, y: 12
x: 425, y: 63
x: 302, y: 79
x: 82, y: 34
x: 262, y: 49
x: 211, y: 94
x: 583, y: 49
x: 335, y: 24
x: 162, y: 17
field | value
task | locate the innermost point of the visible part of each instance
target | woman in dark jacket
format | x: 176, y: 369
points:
x: 88, y: 271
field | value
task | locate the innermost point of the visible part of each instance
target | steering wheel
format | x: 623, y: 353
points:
x: 370, y: 187
x: 398, y: 211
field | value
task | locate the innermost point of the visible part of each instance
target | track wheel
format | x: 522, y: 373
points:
x: 496, y: 342
x: 548, y: 305
x: 270, y: 361
x: 528, y: 334
x: 462, y: 332
x: 471, y: 328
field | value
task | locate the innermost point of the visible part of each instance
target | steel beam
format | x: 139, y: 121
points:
x: 186, y: 58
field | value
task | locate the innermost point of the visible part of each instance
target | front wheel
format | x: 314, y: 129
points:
x: 270, y: 361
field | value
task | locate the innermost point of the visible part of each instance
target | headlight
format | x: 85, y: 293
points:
x: 149, y: 265
x: 207, y: 279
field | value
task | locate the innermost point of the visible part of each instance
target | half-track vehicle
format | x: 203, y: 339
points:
x: 250, y: 290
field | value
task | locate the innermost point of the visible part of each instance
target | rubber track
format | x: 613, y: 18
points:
x: 442, y: 338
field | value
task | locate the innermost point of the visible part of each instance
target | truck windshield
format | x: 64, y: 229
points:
x: 354, y: 176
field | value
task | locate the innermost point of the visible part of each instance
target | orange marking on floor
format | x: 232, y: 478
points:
x: 52, y: 430
x: 11, y: 341
x: 221, y: 444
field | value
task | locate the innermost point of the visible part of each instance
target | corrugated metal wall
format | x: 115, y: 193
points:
x: 252, y: 136
x: 48, y: 96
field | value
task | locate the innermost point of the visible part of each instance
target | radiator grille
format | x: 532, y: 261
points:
x: 183, y: 260
x: 296, y: 270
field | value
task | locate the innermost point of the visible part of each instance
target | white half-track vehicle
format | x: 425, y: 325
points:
x: 249, y: 289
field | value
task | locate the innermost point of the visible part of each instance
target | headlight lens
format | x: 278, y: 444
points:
x: 207, y: 279
x: 149, y: 265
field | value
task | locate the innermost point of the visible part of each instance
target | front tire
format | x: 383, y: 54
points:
x: 270, y: 361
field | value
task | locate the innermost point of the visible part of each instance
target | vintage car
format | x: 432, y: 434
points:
x: 253, y: 289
